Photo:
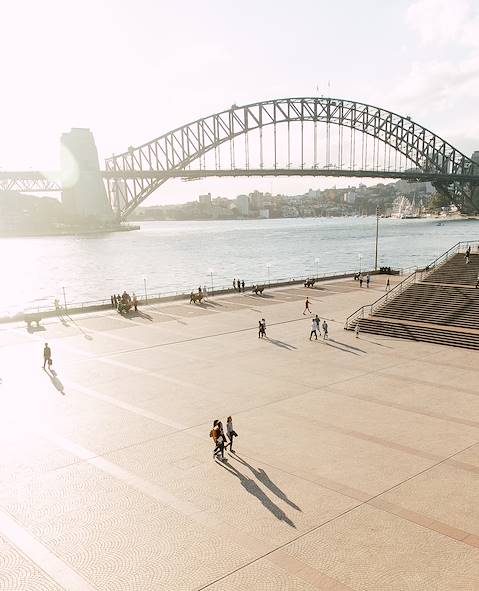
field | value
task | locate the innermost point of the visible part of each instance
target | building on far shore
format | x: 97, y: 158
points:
x: 205, y: 200
x: 242, y: 203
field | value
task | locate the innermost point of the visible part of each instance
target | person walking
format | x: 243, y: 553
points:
x: 230, y: 432
x: 47, y: 356
x: 306, y: 307
x: 361, y: 280
x: 242, y: 284
x: 314, y: 327
x: 214, y: 435
x: 260, y: 329
x: 234, y: 284
x: 325, y: 329
x: 135, y: 302
x: 467, y: 257
x: 388, y: 285
x: 263, y: 326
x: 368, y: 280
x: 318, y: 324
x: 218, y: 439
x: 356, y: 330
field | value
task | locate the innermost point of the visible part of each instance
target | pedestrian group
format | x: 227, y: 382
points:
x: 219, y: 438
x: 238, y: 285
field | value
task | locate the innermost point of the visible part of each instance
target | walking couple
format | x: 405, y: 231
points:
x: 219, y: 437
x: 261, y: 328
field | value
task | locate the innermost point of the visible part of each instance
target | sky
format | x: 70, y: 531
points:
x: 131, y: 71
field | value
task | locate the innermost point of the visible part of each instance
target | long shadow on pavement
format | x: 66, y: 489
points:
x: 375, y: 343
x: 138, y: 314
x: 32, y: 329
x: 263, y: 477
x: 172, y: 316
x: 62, y: 317
x: 281, y: 344
x: 52, y: 374
x: 348, y: 346
x: 330, y: 342
x: 252, y: 488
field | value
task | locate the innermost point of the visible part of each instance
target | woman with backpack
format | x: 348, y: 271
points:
x: 219, y: 439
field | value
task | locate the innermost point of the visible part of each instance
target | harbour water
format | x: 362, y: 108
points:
x: 167, y: 257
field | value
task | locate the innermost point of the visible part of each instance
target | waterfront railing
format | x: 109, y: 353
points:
x: 156, y: 295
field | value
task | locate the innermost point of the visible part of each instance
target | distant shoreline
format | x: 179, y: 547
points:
x: 69, y: 232
x: 437, y: 218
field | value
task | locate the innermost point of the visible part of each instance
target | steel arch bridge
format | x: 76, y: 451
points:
x: 368, y: 141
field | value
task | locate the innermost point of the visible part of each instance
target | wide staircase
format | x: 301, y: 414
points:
x: 438, y: 304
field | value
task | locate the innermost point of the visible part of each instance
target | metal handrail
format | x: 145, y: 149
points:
x: 391, y: 294
x: 418, y: 275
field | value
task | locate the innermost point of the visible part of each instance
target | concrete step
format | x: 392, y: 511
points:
x: 443, y: 309
x: 416, y: 332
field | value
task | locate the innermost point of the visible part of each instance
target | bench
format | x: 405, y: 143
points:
x: 34, y: 317
x: 257, y: 289
x: 123, y: 307
x: 196, y: 297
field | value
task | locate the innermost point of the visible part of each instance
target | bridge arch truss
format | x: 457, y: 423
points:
x: 135, y: 174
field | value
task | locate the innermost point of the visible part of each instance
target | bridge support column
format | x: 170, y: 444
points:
x: 83, y: 195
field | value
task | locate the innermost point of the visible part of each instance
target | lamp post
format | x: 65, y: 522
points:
x: 360, y: 260
x: 146, y: 293
x: 377, y: 236
x: 268, y: 266
x: 316, y: 262
x: 64, y: 298
x: 210, y: 271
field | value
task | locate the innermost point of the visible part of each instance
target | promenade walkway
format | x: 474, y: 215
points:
x: 357, y: 465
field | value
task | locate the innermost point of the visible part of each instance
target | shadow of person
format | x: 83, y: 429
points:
x: 32, y: 329
x: 252, y: 488
x: 52, y: 374
x: 172, y: 316
x: 87, y: 336
x: 212, y: 304
x: 330, y: 342
x: 348, y: 346
x: 62, y: 320
x: 139, y: 314
x: 263, y: 477
x: 281, y: 344
x: 375, y: 343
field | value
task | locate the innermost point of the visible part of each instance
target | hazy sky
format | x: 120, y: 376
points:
x: 132, y: 70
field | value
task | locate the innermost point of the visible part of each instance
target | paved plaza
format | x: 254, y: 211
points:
x: 357, y: 464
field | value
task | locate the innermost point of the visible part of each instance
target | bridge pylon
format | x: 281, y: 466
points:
x: 83, y: 190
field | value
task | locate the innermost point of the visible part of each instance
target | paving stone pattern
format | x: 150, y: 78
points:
x: 356, y: 466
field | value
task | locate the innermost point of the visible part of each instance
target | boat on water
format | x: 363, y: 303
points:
x: 404, y: 209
